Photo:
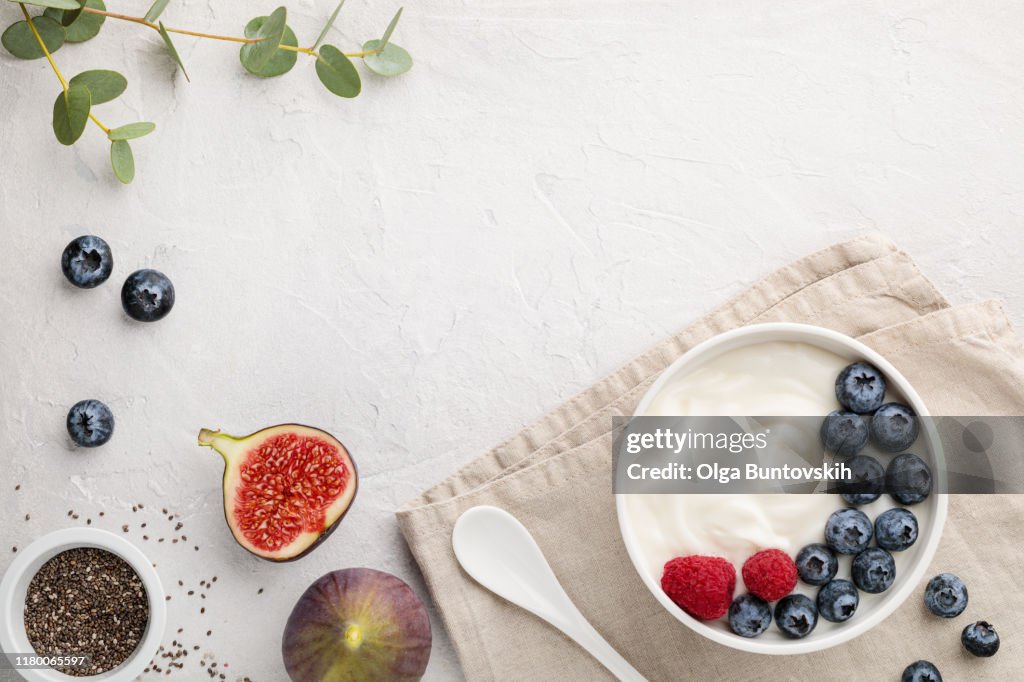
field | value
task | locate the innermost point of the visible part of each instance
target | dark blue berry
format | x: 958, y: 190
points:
x: 90, y: 423
x: 921, y: 671
x: 796, y: 615
x: 860, y: 388
x: 749, y: 616
x: 816, y: 564
x: 896, y: 529
x: 147, y: 295
x: 866, y: 482
x: 894, y: 427
x: 908, y: 479
x: 946, y: 595
x: 87, y: 262
x: 844, y: 433
x: 874, y: 570
x: 981, y: 639
x: 837, y: 601
x: 848, y: 531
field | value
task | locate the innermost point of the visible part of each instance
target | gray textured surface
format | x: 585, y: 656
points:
x: 553, y: 188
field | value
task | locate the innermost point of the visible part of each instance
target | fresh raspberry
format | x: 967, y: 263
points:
x: 700, y: 585
x: 770, y: 574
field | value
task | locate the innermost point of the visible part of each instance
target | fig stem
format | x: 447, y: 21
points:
x: 213, y: 438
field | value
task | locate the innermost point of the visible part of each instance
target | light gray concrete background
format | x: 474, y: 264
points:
x: 423, y: 270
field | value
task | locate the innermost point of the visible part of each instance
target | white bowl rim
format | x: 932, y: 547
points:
x: 28, y: 561
x: 905, y: 586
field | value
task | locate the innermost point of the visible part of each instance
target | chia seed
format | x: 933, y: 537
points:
x: 86, y: 601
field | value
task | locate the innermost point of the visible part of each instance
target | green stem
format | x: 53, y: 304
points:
x: 212, y: 36
x: 53, y: 64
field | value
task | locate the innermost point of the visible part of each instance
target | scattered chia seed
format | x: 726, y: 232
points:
x: 14, y: 549
x: 124, y: 528
x: 17, y: 487
x: 27, y: 517
x: 260, y: 591
x: 86, y: 601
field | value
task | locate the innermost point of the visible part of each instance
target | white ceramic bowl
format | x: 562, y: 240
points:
x: 15, y: 583
x: 931, y: 513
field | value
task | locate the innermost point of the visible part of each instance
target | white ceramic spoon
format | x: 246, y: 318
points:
x: 497, y: 551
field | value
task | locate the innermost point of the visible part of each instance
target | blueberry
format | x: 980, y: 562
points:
x: 921, y: 671
x: 796, y: 615
x: 837, y: 601
x: 147, y: 295
x: 816, y: 564
x: 896, y: 529
x: 908, y: 479
x: 87, y: 262
x: 90, y: 423
x: 865, y: 483
x: 981, y: 639
x: 848, y: 531
x: 946, y: 595
x: 894, y: 427
x: 844, y: 433
x: 873, y: 570
x: 860, y: 388
x: 749, y: 616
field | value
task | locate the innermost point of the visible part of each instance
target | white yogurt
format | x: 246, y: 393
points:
x: 775, y: 378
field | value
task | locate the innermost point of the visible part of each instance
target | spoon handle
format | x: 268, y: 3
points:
x: 580, y: 629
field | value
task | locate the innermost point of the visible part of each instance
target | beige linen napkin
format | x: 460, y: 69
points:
x: 555, y: 476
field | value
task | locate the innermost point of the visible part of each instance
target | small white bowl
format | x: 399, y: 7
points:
x: 14, y: 588
x: 930, y: 532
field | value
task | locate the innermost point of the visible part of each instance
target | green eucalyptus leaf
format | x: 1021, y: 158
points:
x: 391, y: 28
x: 170, y: 48
x: 132, y: 131
x: 337, y: 73
x: 327, y: 26
x: 67, y: 16
x: 103, y: 85
x: 122, y: 160
x: 71, y: 113
x: 390, y: 61
x: 80, y: 26
x: 20, y: 41
x: 255, y: 56
x: 55, y: 4
x: 155, y: 10
x: 282, y: 61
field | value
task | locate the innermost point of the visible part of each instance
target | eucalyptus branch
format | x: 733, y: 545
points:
x: 269, y: 48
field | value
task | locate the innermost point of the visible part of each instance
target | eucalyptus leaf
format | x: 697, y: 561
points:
x: 327, y: 26
x: 390, y: 61
x: 103, y: 85
x: 56, y: 4
x: 71, y: 113
x: 282, y: 61
x: 255, y: 56
x: 391, y: 28
x: 337, y: 73
x: 20, y: 41
x: 80, y: 26
x: 155, y: 10
x: 67, y: 16
x: 122, y: 160
x: 131, y: 131
x: 170, y: 48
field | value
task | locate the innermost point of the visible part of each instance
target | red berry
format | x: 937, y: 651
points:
x: 770, y: 574
x: 700, y: 585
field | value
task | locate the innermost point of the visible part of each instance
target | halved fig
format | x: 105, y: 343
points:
x: 286, y: 487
